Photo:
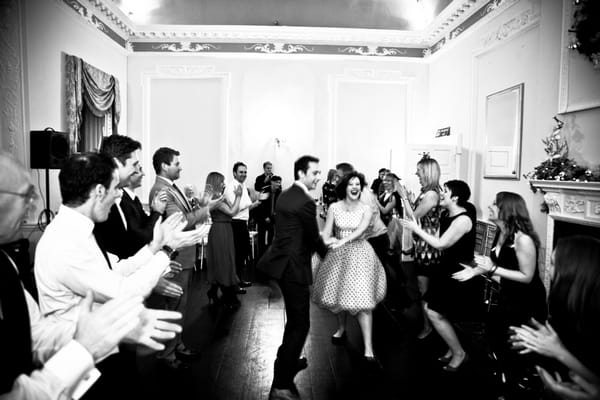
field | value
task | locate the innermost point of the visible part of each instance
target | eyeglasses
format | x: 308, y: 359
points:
x: 30, y: 195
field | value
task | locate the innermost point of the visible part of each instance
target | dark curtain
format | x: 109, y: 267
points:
x: 92, y: 99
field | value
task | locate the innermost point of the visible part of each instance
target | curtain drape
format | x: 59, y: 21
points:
x: 99, y: 91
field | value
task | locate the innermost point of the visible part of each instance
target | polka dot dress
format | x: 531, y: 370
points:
x: 349, y: 278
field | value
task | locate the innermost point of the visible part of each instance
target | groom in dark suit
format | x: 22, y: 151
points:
x: 288, y: 260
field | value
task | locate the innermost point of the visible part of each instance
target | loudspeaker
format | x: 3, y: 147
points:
x: 49, y: 149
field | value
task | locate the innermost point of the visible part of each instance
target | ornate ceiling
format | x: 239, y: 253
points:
x: 400, y: 28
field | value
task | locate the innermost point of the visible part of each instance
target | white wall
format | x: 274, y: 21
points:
x: 494, y: 56
x: 336, y: 108
x: 52, y: 30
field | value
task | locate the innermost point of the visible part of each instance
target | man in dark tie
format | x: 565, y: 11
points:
x: 288, y: 260
x: 265, y: 214
x: 168, y: 168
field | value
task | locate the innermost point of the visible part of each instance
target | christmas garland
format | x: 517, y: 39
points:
x: 586, y: 27
x: 558, y: 166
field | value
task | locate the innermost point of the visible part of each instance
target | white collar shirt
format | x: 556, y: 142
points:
x: 69, y: 262
x: 245, y: 202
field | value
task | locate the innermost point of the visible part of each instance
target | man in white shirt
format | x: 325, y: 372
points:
x: 69, y: 261
x: 239, y: 223
x: 67, y: 350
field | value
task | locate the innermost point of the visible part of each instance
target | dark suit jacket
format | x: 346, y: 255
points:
x: 111, y: 235
x: 116, y: 239
x: 260, y: 182
x: 296, y: 238
x: 140, y: 225
x: 265, y: 209
x: 177, y: 202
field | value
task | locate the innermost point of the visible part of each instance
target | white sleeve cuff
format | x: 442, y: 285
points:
x: 70, y: 363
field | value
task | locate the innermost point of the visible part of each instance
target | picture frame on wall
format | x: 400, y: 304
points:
x: 579, y: 83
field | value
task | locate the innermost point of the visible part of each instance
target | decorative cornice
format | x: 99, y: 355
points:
x: 511, y: 27
x: 279, y: 48
x: 275, y: 48
x: 457, y: 17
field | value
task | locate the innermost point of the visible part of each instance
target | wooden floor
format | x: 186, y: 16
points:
x: 238, y: 349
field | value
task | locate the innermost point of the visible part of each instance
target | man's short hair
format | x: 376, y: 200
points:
x: 81, y: 173
x: 237, y: 165
x: 301, y: 164
x: 346, y: 168
x: 276, y: 178
x: 119, y: 147
x: 267, y: 163
x: 383, y: 170
x: 163, y: 155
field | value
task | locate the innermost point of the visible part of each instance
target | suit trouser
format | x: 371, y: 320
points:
x: 264, y: 236
x: 183, y: 279
x: 297, y: 308
x: 241, y: 240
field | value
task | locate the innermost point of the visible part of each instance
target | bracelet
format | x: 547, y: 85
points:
x: 492, y: 271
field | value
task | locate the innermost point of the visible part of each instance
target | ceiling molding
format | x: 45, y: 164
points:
x: 106, y: 16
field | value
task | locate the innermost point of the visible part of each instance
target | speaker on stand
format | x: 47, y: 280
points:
x: 48, y: 150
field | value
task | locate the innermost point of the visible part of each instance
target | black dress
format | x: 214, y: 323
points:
x: 518, y: 301
x: 458, y: 301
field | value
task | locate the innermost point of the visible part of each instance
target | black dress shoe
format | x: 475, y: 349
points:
x: 339, y: 340
x: 240, y: 291
x: 244, y: 284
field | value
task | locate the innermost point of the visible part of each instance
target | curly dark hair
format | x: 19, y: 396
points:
x: 340, y: 189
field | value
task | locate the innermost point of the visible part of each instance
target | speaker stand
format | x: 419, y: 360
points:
x: 47, y: 213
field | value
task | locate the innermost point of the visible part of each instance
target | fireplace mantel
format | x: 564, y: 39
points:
x: 576, y: 202
x: 573, y: 202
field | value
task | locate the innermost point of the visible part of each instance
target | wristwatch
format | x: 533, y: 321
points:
x: 168, y: 251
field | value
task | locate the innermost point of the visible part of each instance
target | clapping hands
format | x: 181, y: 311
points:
x: 578, y: 389
x: 541, y: 339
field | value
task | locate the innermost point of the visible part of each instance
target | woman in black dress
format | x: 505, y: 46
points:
x: 447, y: 299
x: 513, y: 260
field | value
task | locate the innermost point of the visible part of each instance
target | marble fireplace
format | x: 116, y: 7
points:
x: 574, y: 208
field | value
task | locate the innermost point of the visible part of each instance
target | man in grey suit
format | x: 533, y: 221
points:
x: 168, y: 168
x: 288, y: 260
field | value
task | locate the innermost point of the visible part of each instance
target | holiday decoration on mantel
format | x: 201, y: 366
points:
x: 586, y: 27
x: 558, y: 166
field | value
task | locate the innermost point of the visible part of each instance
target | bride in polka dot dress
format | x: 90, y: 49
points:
x: 350, y: 279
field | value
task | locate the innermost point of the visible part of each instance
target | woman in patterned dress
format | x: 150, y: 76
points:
x: 350, y: 279
x: 448, y: 300
x: 427, y: 211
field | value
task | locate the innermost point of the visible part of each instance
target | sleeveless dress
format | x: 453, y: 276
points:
x: 383, y: 201
x: 518, y: 301
x: 449, y: 297
x: 220, y: 251
x: 351, y: 277
x: 427, y: 257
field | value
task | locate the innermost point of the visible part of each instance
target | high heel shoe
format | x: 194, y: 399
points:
x: 449, y: 368
x: 212, y: 295
x: 445, y: 358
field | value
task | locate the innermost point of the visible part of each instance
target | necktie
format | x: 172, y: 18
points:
x: 104, y: 253
x: 138, y: 204
x: 183, y: 198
